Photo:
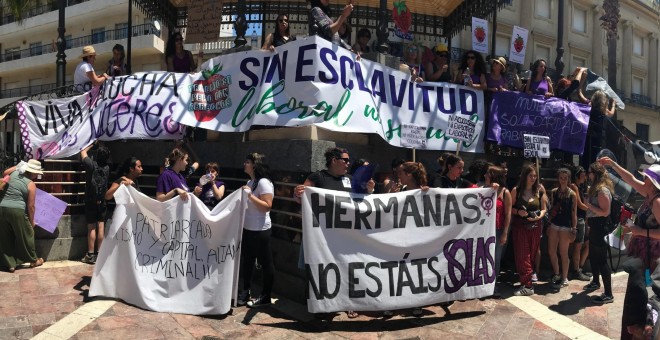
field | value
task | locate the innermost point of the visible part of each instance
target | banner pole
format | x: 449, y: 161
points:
x: 414, y: 155
x: 458, y: 147
x: 538, y: 169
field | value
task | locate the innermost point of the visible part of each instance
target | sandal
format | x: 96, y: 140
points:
x: 37, y: 263
x: 351, y: 314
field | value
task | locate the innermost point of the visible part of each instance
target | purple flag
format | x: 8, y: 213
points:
x: 513, y: 114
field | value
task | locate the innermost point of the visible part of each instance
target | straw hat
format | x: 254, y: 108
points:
x: 439, y: 48
x: 500, y: 60
x: 653, y: 174
x: 87, y: 51
x: 34, y: 166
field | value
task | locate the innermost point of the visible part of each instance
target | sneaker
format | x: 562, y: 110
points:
x: 602, y: 299
x: 261, y: 301
x: 564, y: 283
x: 579, y: 275
x: 535, y: 277
x: 524, y: 291
x: 591, y: 286
x: 89, y: 258
x: 555, y: 280
x: 243, y: 298
x: 94, y: 257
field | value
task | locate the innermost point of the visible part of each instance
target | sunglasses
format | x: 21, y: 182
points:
x: 412, y: 50
x: 283, y: 20
x: 471, y: 57
x: 347, y: 160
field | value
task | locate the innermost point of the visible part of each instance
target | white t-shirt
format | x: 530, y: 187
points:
x: 80, y: 76
x: 255, y: 219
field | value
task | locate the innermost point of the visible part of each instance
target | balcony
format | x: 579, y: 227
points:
x: 641, y: 100
x: 7, y: 17
x: 96, y: 38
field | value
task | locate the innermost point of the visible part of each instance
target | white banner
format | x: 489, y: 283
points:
x: 479, y: 35
x: 518, y: 45
x: 310, y: 81
x: 173, y: 256
x: 139, y: 106
x: 393, y: 251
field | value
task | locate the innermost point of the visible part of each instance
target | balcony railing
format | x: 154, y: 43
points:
x: 95, y: 38
x: 7, y: 17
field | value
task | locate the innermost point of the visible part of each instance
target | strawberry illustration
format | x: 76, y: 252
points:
x: 518, y: 44
x: 401, y: 16
x: 480, y: 34
x: 210, y: 93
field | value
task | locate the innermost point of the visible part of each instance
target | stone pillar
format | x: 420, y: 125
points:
x: 526, y: 11
x: 626, y: 58
x: 597, y: 42
x: 652, y: 68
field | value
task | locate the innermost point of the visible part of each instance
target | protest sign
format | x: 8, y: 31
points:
x: 311, y: 81
x: 460, y: 128
x: 514, y: 114
x: 413, y: 136
x: 204, y: 18
x: 139, y: 106
x: 536, y: 146
x: 174, y: 256
x: 393, y: 251
x: 479, y: 35
x: 518, y: 45
x: 48, y: 210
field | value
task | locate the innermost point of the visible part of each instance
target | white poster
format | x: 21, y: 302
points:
x: 460, y: 128
x: 518, y: 45
x: 310, y: 81
x: 394, y: 251
x: 536, y: 146
x: 413, y: 136
x: 174, y: 256
x: 479, y: 35
x: 139, y: 106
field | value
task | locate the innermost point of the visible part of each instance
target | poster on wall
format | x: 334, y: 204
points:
x: 518, y: 45
x: 479, y: 35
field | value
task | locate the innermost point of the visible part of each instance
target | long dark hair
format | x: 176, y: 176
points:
x: 325, y: 9
x: 261, y: 169
x: 479, y: 63
x: 522, y: 182
x: 497, y: 175
x: 418, y: 172
x: 170, y: 49
x: 277, y: 36
x: 451, y: 160
x: 125, y: 167
x: 535, y: 67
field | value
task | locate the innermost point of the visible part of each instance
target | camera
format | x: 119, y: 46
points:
x: 533, y: 214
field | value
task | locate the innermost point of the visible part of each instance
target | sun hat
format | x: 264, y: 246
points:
x: 653, y: 174
x: 87, y: 51
x: 34, y: 166
x: 500, y: 60
x: 439, y: 48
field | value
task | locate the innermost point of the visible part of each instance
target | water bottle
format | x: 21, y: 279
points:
x: 254, y: 39
x: 205, y: 179
x: 466, y: 77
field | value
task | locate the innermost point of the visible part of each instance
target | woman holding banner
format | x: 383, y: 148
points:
x: 128, y: 173
x: 472, y: 71
x: 280, y: 36
x: 598, y: 204
x: 257, y: 230
x: 529, y: 207
x: 539, y: 83
x: 644, y: 249
x: 495, y: 177
x: 171, y: 182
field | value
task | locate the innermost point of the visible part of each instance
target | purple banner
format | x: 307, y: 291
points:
x: 513, y: 114
x: 48, y: 210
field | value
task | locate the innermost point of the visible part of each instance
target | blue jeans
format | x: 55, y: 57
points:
x: 499, y: 251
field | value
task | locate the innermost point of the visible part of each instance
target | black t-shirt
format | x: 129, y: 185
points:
x: 459, y: 183
x: 566, y: 93
x: 323, y: 179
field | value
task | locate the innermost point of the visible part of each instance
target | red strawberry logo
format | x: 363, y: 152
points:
x: 518, y: 44
x: 401, y: 16
x: 480, y: 34
x: 210, y: 95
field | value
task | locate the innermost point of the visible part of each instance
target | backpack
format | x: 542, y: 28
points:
x: 620, y: 211
x: 100, y: 182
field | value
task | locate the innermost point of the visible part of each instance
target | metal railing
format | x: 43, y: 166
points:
x: 94, y: 38
x: 7, y: 17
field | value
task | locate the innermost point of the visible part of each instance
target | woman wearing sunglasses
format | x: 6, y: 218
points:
x: 179, y: 59
x: 472, y: 71
x: 438, y: 68
x: 281, y: 36
x: 412, y: 58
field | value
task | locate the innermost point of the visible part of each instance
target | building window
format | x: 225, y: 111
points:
x: 12, y: 53
x: 543, y: 8
x: 35, y: 48
x: 98, y: 35
x: 578, y: 62
x: 642, y: 131
x: 638, y: 45
x: 502, y: 45
x: 542, y: 52
x: 637, y: 85
x: 579, y: 20
x: 69, y: 43
x: 121, y: 31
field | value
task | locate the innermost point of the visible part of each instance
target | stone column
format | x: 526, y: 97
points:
x: 652, y: 68
x: 597, y: 42
x: 526, y: 11
x: 626, y: 58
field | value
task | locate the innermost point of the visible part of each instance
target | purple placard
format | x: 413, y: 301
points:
x: 48, y: 210
x: 513, y: 114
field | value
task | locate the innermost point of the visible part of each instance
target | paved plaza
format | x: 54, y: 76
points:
x: 50, y: 303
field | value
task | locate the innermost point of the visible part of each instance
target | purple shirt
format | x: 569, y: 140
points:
x: 495, y: 83
x: 169, y: 180
x: 539, y: 87
x: 207, y: 195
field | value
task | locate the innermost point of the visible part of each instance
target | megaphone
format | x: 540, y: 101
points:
x: 650, y: 156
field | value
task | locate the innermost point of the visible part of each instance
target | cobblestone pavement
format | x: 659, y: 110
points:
x: 50, y: 303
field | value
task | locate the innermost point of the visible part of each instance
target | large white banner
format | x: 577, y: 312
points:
x: 172, y: 256
x: 393, y: 251
x: 139, y: 106
x: 311, y: 81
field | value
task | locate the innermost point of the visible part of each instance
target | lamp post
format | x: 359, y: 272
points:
x: 559, y: 62
x: 61, y: 46
x: 130, y: 37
